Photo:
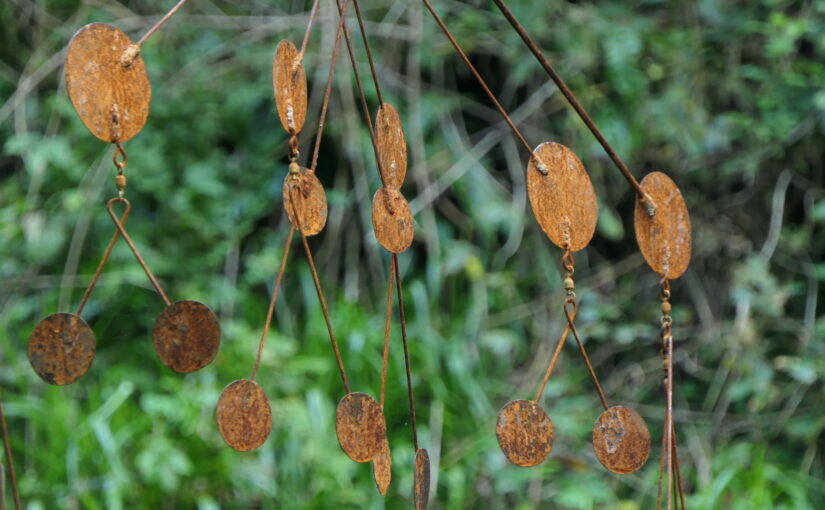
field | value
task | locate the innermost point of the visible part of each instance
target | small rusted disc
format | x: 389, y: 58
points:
x: 621, y: 440
x: 290, y: 85
x: 61, y: 348
x: 187, y: 336
x: 312, y: 202
x: 392, y: 220
x: 664, y: 239
x: 243, y: 415
x: 524, y: 432
x: 392, y: 146
x: 422, y: 479
x: 563, y: 201
x: 112, y: 99
x: 360, y: 426
x: 382, y: 468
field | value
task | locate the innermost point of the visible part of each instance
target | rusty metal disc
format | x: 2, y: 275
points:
x: 621, y: 440
x: 392, y: 220
x: 243, y: 415
x: 664, y: 239
x: 524, y: 432
x: 61, y: 348
x: 422, y: 479
x: 392, y: 146
x: 112, y: 98
x: 187, y: 336
x: 289, y: 83
x: 382, y: 468
x: 564, y: 202
x: 312, y: 201
x: 359, y: 423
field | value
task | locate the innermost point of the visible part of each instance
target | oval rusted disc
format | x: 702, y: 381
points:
x: 382, y: 468
x: 392, y: 220
x: 621, y: 440
x: 243, y: 415
x: 422, y: 479
x: 564, y: 202
x: 61, y: 348
x: 664, y: 239
x: 112, y: 99
x: 312, y: 202
x: 524, y: 432
x: 290, y: 85
x: 360, y: 426
x: 392, y: 146
x: 187, y: 336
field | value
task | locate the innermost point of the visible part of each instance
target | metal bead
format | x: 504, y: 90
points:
x: 665, y: 308
x: 569, y: 284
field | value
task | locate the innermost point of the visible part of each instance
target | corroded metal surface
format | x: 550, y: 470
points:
x: 312, y: 202
x: 187, y: 336
x: 289, y: 82
x: 243, y: 415
x: 621, y: 440
x: 61, y: 348
x: 524, y: 432
x: 421, y: 487
x: 111, y: 99
x: 664, y: 239
x: 392, y: 146
x: 382, y: 468
x: 360, y: 426
x: 392, y: 220
x: 563, y: 201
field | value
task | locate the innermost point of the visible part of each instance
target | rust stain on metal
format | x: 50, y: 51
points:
x: 289, y: 82
x: 382, y: 468
x: 187, y: 336
x: 621, y: 440
x: 359, y: 423
x: 392, y: 220
x: 524, y: 432
x: 664, y: 239
x: 421, y: 488
x: 563, y: 201
x: 243, y: 415
x: 312, y: 201
x: 111, y: 99
x: 392, y: 146
x: 61, y: 348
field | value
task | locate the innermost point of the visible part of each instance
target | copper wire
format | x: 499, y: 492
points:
x: 406, y: 348
x: 593, y: 375
x: 555, y: 358
x: 160, y: 22
x: 9, y: 459
x: 369, y: 52
x: 312, y: 14
x: 387, y: 323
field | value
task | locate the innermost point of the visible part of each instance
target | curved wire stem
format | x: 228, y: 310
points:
x: 312, y: 14
x: 595, y: 378
x: 403, y: 317
x: 387, y: 324
x: 368, y: 51
x: 555, y: 358
x: 9, y: 461
x: 160, y: 22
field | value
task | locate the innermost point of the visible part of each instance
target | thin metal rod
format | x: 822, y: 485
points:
x: 160, y: 22
x: 9, y: 459
x: 406, y: 349
x: 680, y: 488
x: 272, y: 301
x: 595, y: 378
x: 134, y: 249
x: 661, y: 474
x: 555, y: 358
x: 312, y: 13
x: 668, y: 340
x: 387, y: 324
x: 369, y: 52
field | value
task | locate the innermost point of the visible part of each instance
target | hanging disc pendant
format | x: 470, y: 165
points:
x: 311, y: 202
x: 187, y: 336
x: 421, y: 494
x: 110, y: 95
x: 621, y: 440
x: 392, y: 146
x: 563, y: 200
x: 61, y: 348
x: 524, y: 432
x: 392, y: 220
x: 665, y: 238
x: 382, y: 468
x: 359, y: 424
x: 243, y: 415
x: 289, y: 83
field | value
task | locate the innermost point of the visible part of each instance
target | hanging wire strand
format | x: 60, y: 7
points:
x: 387, y: 323
x: 403, y: 317
x: 593, y: 375
x: 369, y: 52
x: 555, y: 358
x: 312, y: 14
x: 160, y: 22
x: 9, y: 460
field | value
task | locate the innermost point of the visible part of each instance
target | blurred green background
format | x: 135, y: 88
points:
x: 726, y: 97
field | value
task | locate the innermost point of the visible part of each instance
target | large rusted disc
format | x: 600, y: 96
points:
x: 524, y: 432
x: 360, y: 426
x: 563, y: 201
x: 421, y: 479
x: 61, y: 348
x: 112, y: 99
x: 187, y: 336
x: 664, y: 239
x: 382, y: 468
x: 311, y: 201
x: 621, y: 440
x: 243, y: 415
x: 392, y: 220
x: 392, y: 146
x: 290, y: 85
